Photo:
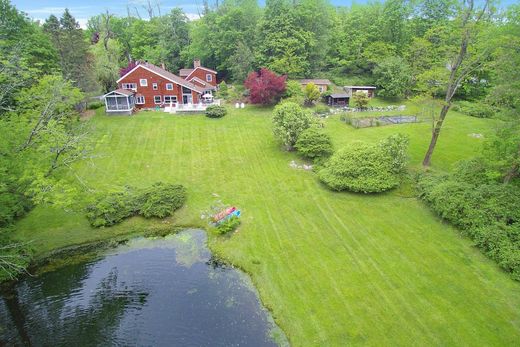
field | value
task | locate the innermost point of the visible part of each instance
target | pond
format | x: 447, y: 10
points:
x: 166, y: 291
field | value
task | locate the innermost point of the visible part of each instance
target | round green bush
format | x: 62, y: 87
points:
x: 215, y: 111
x: 314, y: 144
x: 289, y: 121
x: 360, y: 167
x: 112, y: 208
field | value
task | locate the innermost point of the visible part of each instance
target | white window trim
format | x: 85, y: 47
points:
x: 155, y: 99
x: 143, y: 82
x: 209, y: 77
x: 137, y: 100
x: 130, y: 86
x: 171, y: 101
x: 155, y: 86
x: 169, y: 86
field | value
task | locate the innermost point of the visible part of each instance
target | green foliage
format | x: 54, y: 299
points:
x: 294, y: 92
x: 312, y: 94
x: 215, y: 111
x: 229, y: 225
x: 223, y: 91
x: 475, y: 109
x: 485, y: 209
x: 359, y: 167
x: 314, y: 144
x: 360, y: 99
x: 394, y: 77
x: 396, y: 147
x: 289, y: 121
x: 112, y: 208
x: 159, y: 200
x: 367, y: 168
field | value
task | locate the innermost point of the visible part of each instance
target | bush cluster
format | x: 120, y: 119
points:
x: 367, y: 168
x: 475, y: 109
x: 159, y: 200
x: 289, y: 121
x: 314, y: 144
x: 229, y: 225
x: 215, y: 111
x: 484, y: 209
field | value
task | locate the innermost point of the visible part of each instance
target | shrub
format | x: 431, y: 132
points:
x: 359, y: 167
x: 396, y: 147
x: 360, y: 99
x: 314, y: 144
x: 161, y: 200
x: 230, y: 224
x: 486, y: 210
x: 289, y: 120
x: 112, y: 208
x: 321, y: 109
x: 215, y: 111
x: 312, y: 94
x: 475, y: 109
x: 95, y: 105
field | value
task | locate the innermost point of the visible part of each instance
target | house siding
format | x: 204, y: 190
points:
x: 148, y: 92
x: 201, y: 73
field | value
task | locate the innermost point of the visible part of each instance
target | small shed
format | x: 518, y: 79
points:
x: 338, y: 99
x: 368, y: 90
x: 321, y: 83
x: 119, y: 101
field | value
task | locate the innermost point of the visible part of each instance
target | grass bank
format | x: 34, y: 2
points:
x: 335, y: 268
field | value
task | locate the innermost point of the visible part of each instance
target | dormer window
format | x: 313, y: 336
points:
x: 169, y: 86
x: 143, y: 82
x: 154, y: 86
x: 209, y: 77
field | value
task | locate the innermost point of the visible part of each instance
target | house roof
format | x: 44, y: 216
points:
x: 185, y: 72
x: 166, y: 74
x: 360, y: 87
x: 125, y: 92
x: 198, y: 80
x: 339, y: 95
x: 188, y: 72
x: 315, y: 81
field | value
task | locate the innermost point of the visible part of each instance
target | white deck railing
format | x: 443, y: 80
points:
x: 200, y: 107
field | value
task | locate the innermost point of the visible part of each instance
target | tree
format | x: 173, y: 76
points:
x: 394, y: 77
x: 106, y: 64
x: 265, y: 87
x: 360, y: 99
x: 312, y: 94
x: 241, y: 62
x: 294, y: 92
x: 289, y: 121
x: 467, y: 59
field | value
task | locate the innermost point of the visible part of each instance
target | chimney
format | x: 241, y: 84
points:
x: 196, y: 63
x: 162, y: 65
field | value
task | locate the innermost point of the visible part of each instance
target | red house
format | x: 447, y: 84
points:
x: 150, y: 86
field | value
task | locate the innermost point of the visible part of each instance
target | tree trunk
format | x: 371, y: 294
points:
x: 435, y: 135
x: 514, y: 170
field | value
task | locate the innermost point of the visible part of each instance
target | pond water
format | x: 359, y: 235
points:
x: 148, y: 292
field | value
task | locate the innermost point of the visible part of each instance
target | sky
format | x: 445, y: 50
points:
x: 82, y: 10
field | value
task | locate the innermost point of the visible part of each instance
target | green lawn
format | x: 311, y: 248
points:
x: 335, y: 268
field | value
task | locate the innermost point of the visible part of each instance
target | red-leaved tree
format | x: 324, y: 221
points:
x: 265, y: 87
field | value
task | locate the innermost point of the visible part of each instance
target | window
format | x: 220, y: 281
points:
x: 143, y: 82
x: 169, y: 86
x: 320, y: 88
x: 209, y: 78
x: 157, y: 99
x: 186, y: 90
x: 170, y: 99
x: 131, y: 86
x: 154, y: 86
x: 139, y: 100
